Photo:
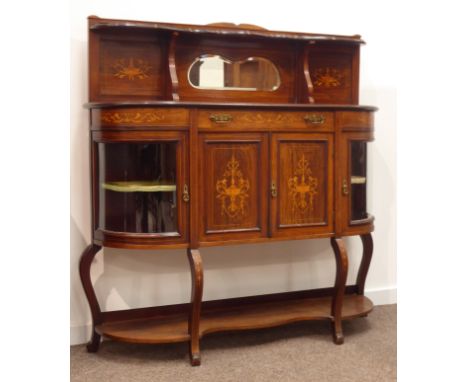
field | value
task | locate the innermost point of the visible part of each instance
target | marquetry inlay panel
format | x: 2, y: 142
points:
x: 130, y: 67
x: 143, y: 117
x: 302, y: 187
x: 231, y: 189
x: 328, y: 77
x: 302, y: 179
x: 263, y: 120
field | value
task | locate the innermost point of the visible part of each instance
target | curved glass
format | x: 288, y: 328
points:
x: 358, y: 198
x: 213, y: 72
x: 137, y: 187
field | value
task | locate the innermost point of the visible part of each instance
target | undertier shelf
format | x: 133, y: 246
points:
x: 248, y: 316
x: 138, y: 186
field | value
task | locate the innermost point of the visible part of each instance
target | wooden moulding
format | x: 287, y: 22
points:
x: 170, y: 323
x: 223, y: 29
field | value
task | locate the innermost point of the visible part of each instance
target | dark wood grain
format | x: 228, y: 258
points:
x: 302, y: 170
x: 172, y: 67
x: 367, y: 249
x: 233, y: 186
x: 341, y: 259
x: 173, y: 328
x: 196, y: 268
x: 247, y: 30
x: 251, y: 166
x: 85, y: 276
x: 308, y: 80
x: 222, y: 105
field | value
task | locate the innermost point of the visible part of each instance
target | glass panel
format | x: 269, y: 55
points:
x: 218, y: 73
x: 137, y: 187
x: 358, y: 180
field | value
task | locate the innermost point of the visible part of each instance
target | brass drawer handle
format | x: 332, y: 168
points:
x: 314, y: 119
x: 274, y: 191
x: 344, y: 188
x: 185, y: 194
x: 221, y: 118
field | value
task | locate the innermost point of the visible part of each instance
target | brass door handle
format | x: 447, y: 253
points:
x: 185, y: 194
x: 274, y: 191
x: 344, y: 188
x: 314, y: 119
x: 221, y: 118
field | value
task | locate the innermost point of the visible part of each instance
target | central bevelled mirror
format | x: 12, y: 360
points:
x: 213, y: 72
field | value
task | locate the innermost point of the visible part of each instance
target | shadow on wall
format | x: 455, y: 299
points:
x: 79, y: 310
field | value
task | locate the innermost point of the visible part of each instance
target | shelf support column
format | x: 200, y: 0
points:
x: 196, y: 268
x: 341, y: 259
x: 85, y: 275
x: 367, y: 250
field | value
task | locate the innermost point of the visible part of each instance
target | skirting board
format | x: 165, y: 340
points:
x: 79, y: 334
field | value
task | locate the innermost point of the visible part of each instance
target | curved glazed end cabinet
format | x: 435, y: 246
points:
x: 225, y: 134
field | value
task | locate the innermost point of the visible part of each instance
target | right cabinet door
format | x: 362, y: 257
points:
x: 301, y: 184
x: 353, y: 216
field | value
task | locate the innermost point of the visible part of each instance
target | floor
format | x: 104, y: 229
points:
x: 297, y: 352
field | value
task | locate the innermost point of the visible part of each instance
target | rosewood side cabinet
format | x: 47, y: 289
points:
x: 225, y: 134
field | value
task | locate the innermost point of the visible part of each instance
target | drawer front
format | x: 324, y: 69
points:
x: 140, y: 117
x: 355, y: 120
x: 265, y: 120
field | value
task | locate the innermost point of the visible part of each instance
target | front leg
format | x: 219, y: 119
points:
x: 341, y: 259
x: 367, y: 249
x: 196, y: 268
x: 85, y: 276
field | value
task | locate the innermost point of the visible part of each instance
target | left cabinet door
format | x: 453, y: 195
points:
x: 232, y: 180
x: 140, y: 188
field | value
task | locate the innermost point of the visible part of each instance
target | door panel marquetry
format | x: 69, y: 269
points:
x: 233, y: 191
x: 302, y: 170
x: 234, y: 185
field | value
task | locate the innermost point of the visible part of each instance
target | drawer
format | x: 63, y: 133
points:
x: 355, y: 120
x: 140, y: 117
x: 265, y: 120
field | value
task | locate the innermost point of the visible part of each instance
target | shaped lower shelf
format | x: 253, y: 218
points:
x: 174, y: 328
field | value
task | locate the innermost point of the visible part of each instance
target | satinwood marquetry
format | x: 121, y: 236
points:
x: 278, y: 154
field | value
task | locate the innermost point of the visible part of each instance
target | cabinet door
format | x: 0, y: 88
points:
x: 233, y: 186
x: 140, y: 182
x: 352, y: 188
x: 301, y: 189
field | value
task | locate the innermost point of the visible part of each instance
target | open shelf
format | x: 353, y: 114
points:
x: 138, y: 186
x: 174, y: 328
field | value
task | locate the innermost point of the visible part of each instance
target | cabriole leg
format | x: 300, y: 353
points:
x: 196, y: 268
x: 367, y: 250
x: 341, y: 259
x: 85, y: 276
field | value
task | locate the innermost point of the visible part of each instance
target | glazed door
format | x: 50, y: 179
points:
x: 141, y: 186
x: 233, y: 186
x: 301, y: 189
x: 352, y: 188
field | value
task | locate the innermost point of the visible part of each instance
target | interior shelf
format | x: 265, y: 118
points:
x: 358, y: 179
x: 138, y: 186
x: 240, y: 317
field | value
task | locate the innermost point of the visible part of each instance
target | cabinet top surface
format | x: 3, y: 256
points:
x: 221, y: 28
x: 240, y: 105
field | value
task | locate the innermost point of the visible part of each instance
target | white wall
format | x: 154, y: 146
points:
x: 130, y: 279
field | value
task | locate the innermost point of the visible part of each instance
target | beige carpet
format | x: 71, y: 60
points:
x: 297, y: 352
